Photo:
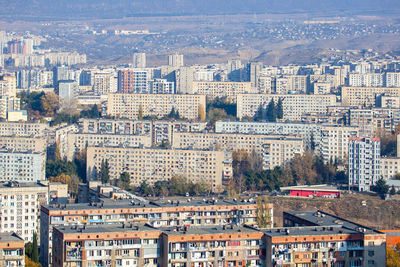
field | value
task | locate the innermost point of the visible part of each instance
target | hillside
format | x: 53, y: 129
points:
x: 377, y: 214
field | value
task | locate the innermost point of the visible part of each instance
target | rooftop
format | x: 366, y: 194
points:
x: 321, y: 187
x: 105, y: 228
x: 320, y: 218
x: 310, y: 231
x: 10, y: 237
x: 118, y: 204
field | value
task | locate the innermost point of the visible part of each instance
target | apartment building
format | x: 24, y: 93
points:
x: 366, y: 79
x: 160, y: 131
x: 106, y: 245
x: 320, y: 239
x: 20, y: 144
x: 364, y: 163
x: 27, y: 129
x: 77, y: 142
x: 230, y: 90
x: 328, y: 239
x: 22, y: 166
x: 12, y: 250
x: 158, y: 164
x: 365, y: 96
x: 157, y: 214
x: 370, y: 120
x: 212, y: 246
x: 159, y: 105
x: 273, y: 150
x: 21, y: 205
x: 331, y: 141
x: 104, y: 83
x: 133, y: 81
x: 392, y: 79
x: 294, y: 105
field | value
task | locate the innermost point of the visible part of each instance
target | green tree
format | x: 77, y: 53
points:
x: 279, y: 109
x: 260, y: 114
x: 104, y: 173
x: 35, y: 248
x: 174, y: 114
x: 124, y: 181
x: 381, y: 187
x: 263, y: 212
x: 271, y: 111
x: 144, y: 189
x: 178, y: 185
x: 28, y: 249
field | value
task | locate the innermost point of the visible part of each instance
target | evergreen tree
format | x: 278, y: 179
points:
x: 35, y: 249
x: 392, y: 191
x: 124, y: 181
x: 271, y: 111
x: 312, y: 142
x: 104, y: 173
x: 279, y: 109
x: 259, y: 114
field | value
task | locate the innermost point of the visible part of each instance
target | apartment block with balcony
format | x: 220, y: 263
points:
x: 294, y: 105
x: 106, y: 245
x: 275, y: 150
x: 159, y: 105
x: 158, y: 214
x: 230, y: 90
x: 212, y: 246
x: 158, y: 164
x: 27, y: 129
x: 22, y: 166
x: 12, y: 250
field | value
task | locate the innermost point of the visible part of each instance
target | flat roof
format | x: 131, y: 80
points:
x: 105, y: 228
x: 310, y: 231
x: 129, y: 203
x: 208, y: 230
x: 320, y: 218
x: 10, y: 237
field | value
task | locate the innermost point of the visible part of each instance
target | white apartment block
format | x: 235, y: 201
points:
x: 33, y: 129
x: 365, y: 96
x: 162, y: 86
x: 22, y: 166
x: 230, y: 90
x: 20, y: 206
x: 366, y: 79
x: 104, y: 83
x: 77, y: 142
x: 294, y: 105
x: 331, y: 141
x: 128, y: 105
x: 273, y: 150
x: 390, y: 167
x: 392, y: 79
x: 364, y: 163
x: 155, y: 164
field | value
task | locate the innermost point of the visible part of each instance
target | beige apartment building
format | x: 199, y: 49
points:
x: 294, y: 105
x: 17, y: 143
x: 159, y: 105
x: 33, y: 129
x: 79, y: 141
x: 230, y: 90
x: 365, y: 96
x: 103, y: 83
x: 156, y: 164
x: 274, y: 150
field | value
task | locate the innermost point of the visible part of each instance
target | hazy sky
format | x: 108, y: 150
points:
x: 119, y: 8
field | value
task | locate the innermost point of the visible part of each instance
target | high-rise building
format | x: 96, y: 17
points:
x: 104, y: 83
x: 254, y: 72
x: 139, y: 60
x: 364, y: 162
x: 132, y: 81
x: 60, y: 73
x: 22, y: 166
x: 175, y: 60
x: 235, y: 69
x: 184, y: 80
x: 67, y: 91
x: 162, y: 86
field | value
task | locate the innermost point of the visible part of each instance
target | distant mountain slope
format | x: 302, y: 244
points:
x: 121, y: 8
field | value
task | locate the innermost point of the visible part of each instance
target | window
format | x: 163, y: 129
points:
x: 371, y: 253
